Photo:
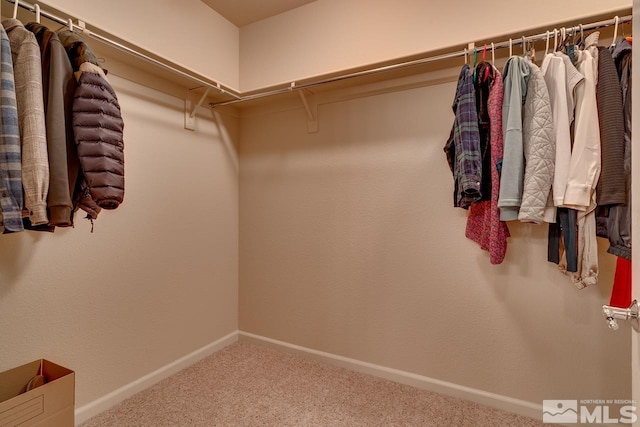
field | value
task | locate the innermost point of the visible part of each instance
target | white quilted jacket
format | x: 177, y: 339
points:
x: 539, y: 149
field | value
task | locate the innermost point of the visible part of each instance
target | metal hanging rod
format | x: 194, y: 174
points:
x: 237, y: 97
x: 527, y: 39
x: 165, y: 65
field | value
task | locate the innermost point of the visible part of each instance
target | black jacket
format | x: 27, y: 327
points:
x: 98, y: 130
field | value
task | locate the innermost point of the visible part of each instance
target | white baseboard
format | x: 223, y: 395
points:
x: 91, y: 409
x: 494, y: 400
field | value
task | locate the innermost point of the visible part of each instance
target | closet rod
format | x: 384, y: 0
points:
x: 421, y: 61
x: 165, y: 65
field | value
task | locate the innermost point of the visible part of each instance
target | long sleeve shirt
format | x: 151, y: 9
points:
x: 463, y: 146
x: 516, y: 75
x: 10, y: 161
x: 584, y: 168
x: 561, y: 78
x: 58, y: 87
x: 25, y: 54
x: 585, y: 165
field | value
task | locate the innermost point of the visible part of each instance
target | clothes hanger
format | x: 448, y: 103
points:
x: 555, y: 39
x: 485, y: 75
x: 566, y: 40
x: 628, y: 38
x: 581, y: 41
x: 493, y: 54
x: 475, y: 58
x: 563, y: 37
x: 510, y: 48
x: 15, y: 9
x: 466, y: 56
x: 616, y: 21
x: 546, y: 47
x: 70, y: 24
x: 37, y: 10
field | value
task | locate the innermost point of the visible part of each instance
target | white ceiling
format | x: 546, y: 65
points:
x: 243, y: 12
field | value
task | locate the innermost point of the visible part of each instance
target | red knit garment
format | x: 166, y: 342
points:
x: 483, y: 223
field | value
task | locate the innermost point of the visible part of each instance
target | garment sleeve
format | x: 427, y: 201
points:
x: 58, y: 91
x: 611, y: 189
x: 511, y: 180
x: 584, y: 168
x: 555, y: 77
x: 10, y: 164
x: 466, y: 143
x: 539, y: 148
x: 35, y: 164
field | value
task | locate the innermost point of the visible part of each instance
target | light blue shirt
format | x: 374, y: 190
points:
x: 11, y: 201
x: 516, y: 76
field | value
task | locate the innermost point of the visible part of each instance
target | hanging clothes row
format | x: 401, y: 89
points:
x: 61, y: 147
x: 547, y: 144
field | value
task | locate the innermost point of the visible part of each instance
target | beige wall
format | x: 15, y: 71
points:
x: 348, y: 240
x: 331, y: 35
x: 155, y: 281
x: 158, y: 278
x: 188, y: 32
x: 349, y: 244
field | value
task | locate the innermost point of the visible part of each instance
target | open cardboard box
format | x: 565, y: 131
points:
x: 50, y: 405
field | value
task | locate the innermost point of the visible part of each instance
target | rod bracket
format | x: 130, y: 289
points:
x: 311, y: 108
x: 190, y: 109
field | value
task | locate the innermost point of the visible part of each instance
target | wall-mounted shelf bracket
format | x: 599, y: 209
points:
x: 190, y: 109
x: 611, y: 314
x: 311, y: 107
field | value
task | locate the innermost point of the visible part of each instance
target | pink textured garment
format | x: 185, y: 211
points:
x: 483, y: 223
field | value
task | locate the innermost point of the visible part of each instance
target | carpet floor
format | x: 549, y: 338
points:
x: 246, y: 384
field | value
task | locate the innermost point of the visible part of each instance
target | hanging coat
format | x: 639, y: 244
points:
x: 539, y: 150
x: 463, y: 146
x: 25, y: 54
x: 98, y: 130
x: 58, y: 88
x: 619, y: 221
x: 585, y: 166
x: 516, y: 76
x: 10, y: 160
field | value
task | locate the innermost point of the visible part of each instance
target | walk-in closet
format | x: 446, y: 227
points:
x: 291, y: 245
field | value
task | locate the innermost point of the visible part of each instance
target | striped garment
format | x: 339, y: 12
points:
x: 463, y: 147
x: 27, y: 73
x: 10, y: 161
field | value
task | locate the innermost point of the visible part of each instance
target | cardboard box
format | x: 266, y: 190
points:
x: 50, y: 405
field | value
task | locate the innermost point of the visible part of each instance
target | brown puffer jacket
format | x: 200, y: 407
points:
x: 98, y: 126
x: 98, y: 130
